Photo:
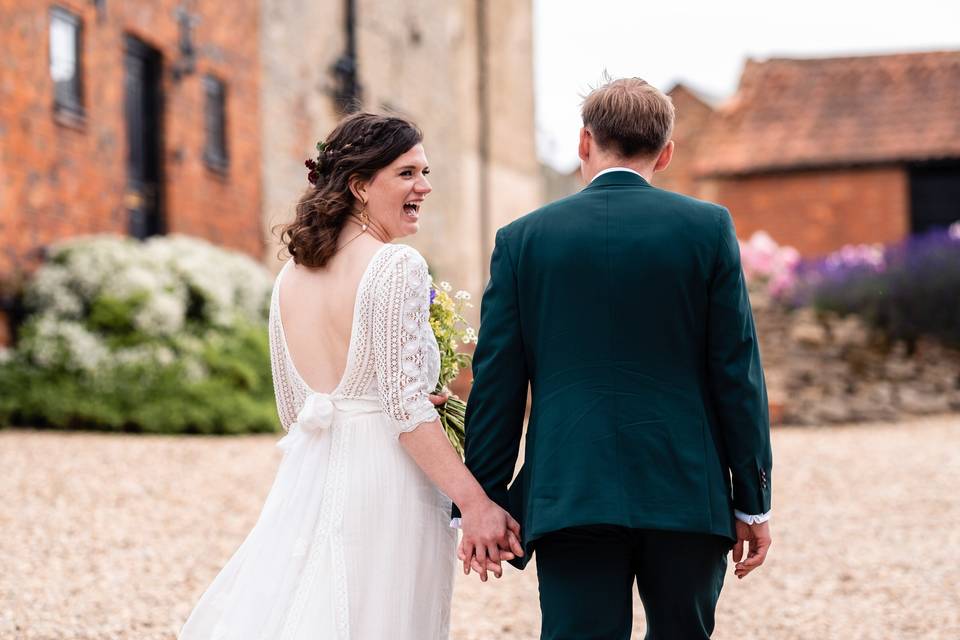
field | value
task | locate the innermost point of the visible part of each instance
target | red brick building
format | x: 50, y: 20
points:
x: 135, y: 117
x: 694, y: 112
x: 824, y: 152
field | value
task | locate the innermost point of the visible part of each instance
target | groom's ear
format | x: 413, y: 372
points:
x: 663, y: 160
x: 583, y: 150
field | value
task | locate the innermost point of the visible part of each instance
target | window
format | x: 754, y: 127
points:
x: 65, y: 67
x: 215, y: 123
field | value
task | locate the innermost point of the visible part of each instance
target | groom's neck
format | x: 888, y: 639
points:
x: 643, y: 167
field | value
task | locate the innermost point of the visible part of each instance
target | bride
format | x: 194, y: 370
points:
x: 354, y: 540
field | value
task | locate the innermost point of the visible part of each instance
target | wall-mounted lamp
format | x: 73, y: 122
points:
x: 187, y: 62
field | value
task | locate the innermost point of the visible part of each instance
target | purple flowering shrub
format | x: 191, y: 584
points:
x: 906, y: 290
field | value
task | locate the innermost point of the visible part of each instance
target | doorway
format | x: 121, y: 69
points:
x: 934, y: 195
x: 143, y: 110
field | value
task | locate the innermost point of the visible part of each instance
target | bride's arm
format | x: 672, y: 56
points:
x: 492, y: 528
x: 401, y: 318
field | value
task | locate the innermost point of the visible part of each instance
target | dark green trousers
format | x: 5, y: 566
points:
x: 587, y: 575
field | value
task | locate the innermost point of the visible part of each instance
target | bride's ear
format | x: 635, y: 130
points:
x: 358, y: 188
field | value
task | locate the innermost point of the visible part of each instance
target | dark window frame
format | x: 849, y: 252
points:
x: 216, y: 154
x: 67, y: 95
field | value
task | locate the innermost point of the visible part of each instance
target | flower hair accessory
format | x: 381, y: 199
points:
x: 314, y: 165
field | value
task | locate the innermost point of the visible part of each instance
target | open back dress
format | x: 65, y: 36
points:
x: 354, y: 540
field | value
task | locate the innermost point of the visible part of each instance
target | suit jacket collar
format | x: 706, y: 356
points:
x: 618, y: 178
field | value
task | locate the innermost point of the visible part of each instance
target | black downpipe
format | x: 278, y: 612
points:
x: 348, y: 91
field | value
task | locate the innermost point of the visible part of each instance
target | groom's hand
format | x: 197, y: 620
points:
x: 757, y: 536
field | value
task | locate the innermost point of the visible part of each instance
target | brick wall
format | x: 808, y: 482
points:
x: 818, y: 211
x: 692, y: 117
x: 60, y: 179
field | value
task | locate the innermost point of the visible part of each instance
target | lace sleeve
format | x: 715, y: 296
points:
x: 401, y: 321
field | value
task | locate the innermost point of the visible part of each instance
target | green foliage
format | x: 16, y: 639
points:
x: 167, y: 336
x: 233, y: 395
x: 453, y: 417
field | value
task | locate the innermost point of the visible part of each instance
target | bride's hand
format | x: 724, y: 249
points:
x: 439, y: 399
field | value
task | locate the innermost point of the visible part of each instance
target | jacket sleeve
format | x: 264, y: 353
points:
x: 735, y: 377
x: 498, y: 399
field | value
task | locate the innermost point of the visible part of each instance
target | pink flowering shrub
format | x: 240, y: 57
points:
x: 768, y: 265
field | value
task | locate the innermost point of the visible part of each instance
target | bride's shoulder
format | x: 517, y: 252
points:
x: 401, y: 264
x: 403, y: 254
x: 393, y: 260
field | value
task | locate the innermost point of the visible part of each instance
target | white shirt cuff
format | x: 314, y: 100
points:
x: 752, y: 519
x: 740, y: 515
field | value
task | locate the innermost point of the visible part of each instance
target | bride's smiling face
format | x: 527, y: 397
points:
x: 396, y: 193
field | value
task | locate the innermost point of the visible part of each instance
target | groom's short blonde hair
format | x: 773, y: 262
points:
x: 629, y: 116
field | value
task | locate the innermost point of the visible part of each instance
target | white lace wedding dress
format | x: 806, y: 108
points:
x: 354, y: 540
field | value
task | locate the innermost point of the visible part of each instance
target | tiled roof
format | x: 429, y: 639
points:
x: 796, y: 113
x: 681, y: 91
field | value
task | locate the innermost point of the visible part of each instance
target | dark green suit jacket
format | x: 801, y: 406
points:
x: 625, y: 310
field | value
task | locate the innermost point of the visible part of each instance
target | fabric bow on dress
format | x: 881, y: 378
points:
x: 317, y: 413
x: 315, y: 416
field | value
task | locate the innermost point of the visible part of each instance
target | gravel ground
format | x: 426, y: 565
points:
x: 108, y: 536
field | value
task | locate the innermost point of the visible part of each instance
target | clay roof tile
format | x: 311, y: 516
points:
x: 795, y: 113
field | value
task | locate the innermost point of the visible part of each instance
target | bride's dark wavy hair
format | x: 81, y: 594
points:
x: 361, y: 145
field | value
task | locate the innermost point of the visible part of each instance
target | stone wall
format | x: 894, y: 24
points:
x: 422, y: 59
x: 299, y: 42
x: 826, y: 369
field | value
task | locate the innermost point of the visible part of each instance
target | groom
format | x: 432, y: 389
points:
x: 648, y: 456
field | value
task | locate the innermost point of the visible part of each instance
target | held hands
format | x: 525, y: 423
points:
x: 490, y: 535
x: 758, y: 537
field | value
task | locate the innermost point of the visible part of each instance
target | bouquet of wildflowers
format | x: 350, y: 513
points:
x: 450, y: 328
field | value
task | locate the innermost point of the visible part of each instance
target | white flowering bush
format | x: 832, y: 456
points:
x: 166, y: 335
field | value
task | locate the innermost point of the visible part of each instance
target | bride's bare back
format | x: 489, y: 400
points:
x: 316, y: 307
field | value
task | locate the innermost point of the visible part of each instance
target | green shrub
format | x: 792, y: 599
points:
x: 167, y: 336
